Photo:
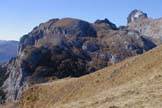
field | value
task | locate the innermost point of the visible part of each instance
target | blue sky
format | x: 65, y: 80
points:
x: 18, y: 17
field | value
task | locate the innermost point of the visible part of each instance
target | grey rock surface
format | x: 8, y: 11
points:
x: 146, y: 26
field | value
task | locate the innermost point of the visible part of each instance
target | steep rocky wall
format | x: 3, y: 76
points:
x: 146, y: 26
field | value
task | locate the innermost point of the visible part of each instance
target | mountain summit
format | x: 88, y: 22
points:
x: 136, y: 15
x: 139, y: 21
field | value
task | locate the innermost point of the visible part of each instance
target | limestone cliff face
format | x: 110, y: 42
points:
x: 136, y: 15
x: 146, y: 26
x: 69, y: 47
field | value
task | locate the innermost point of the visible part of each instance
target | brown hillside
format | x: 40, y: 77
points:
x: 133, y: 83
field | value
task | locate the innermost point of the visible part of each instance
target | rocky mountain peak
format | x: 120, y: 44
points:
x: 106, y: 23
x: 147, y: 26
x: 57, y: 30
x: 136, y: 15
x: 69, y: 47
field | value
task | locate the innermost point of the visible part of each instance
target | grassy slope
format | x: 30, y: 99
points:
x: 133, y: 83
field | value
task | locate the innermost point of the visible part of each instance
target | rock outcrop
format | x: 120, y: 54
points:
x: 146, y: 26
x: 69, y: 47
x: 136, y: 15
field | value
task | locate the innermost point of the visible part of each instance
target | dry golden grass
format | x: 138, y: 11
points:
x: 133, y: 83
